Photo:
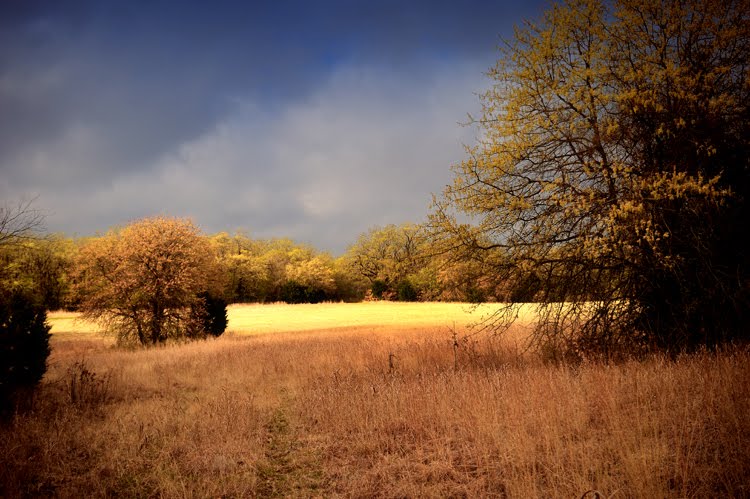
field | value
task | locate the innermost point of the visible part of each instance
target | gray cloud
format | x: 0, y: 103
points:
x: 306, y: 120
x: 366, y: 148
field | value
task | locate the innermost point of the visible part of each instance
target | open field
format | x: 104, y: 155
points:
x: 69, y: 323
x: 254, y: 319
x: 373, y: 402
x: 278, y: 317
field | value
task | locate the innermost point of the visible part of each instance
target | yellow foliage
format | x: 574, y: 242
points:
x: 140, y: 280
x: 609, y: 130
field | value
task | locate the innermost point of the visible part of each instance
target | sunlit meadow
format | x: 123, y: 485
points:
x: 373, y: 400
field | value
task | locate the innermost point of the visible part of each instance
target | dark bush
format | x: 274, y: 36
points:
x: 294, y: 292
x: 24, y: 348
x: 525, y: 289
x: 212, y: 314
x: 405, y: 291
x: 475, y: 295
x: 316, y: 295
x: 378, y: 288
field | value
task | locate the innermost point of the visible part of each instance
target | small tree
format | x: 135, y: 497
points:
x: 145, y: 282
x: 216, y: 314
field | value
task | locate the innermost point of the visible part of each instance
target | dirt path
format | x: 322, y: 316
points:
x: 289, y: 468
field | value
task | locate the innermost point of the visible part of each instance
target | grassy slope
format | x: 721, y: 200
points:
x: 376, y: 408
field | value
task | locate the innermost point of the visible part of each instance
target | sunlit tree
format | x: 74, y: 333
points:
x: 310, y: 280
x: 613, y: 170
x: 41, y: 267
x: 145, y: 282
x: 386, y: 256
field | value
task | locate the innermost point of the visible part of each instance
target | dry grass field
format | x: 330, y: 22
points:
x: 372, y: 400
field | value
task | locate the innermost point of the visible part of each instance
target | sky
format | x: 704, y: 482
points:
x: 309, y: 120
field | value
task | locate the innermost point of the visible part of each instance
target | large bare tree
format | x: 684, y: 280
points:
x: 612, y: 172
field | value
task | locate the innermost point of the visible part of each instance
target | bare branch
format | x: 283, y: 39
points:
x: 19, y: 221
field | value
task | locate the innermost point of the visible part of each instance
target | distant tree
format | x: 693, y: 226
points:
x: 281, y: 270
x: 386, y: 256
x: 241, y: 260
x: 350, y: 285
x: 276, y: 256
x: 313, y: 280
x: 42, y: 268
x: 613, y: 172
x: 466, y: 279
x: 149, y: 281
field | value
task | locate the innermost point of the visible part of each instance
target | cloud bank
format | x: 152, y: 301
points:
x: 346, y: 118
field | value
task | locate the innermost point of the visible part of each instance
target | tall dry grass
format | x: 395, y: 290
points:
x: 376, y: 412
x: 640, y: 429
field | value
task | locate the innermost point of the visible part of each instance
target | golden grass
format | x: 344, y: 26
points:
x: 70, y: 323
x: 375, y: 410
x: 256, y: 319
x: 252, y: 319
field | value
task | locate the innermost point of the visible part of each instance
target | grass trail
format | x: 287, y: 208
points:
x: 289, y: 468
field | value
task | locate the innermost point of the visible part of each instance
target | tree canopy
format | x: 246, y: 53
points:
x: 146, y: 282
x: 612, y: 172
x: 396, y: 262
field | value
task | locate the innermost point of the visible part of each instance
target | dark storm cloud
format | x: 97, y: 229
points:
x: 304, y: 119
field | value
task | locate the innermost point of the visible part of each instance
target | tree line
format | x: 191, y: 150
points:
x: 394, y: 262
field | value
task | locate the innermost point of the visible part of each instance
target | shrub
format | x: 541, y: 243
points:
x: 86, y: 388
x: 379, y: 288
x: 294, y: 292
x: 214, y: 316
x: 475, y: 294
x: 24, y: 348
x: 405, y: 291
